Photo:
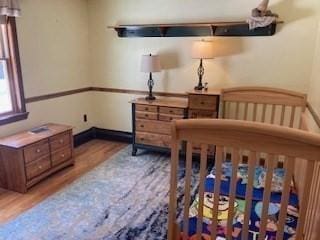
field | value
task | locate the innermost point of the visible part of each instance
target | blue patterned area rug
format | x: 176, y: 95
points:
x: 123, y: 198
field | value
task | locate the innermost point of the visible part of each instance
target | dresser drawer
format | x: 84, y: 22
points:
x: 146, y: 108
x: 203, y: 102
x: 147, y: 115
x: 61, y: 156
x: 59, y: 141
x: 169, y: 118
x: 35, y: 168
x: 202, y: 114
x: 172, y: 111
x: 153, y: 126
x: 36, y: 151
x: 196, y: 148
x: 158, y: 140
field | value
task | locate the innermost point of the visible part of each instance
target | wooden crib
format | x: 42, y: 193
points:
x: 274, y: 139
x: 255, y: 138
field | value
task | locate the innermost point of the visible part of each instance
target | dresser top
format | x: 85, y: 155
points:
x: 215, y: 92
x: 164, y: 102
x: 25, y: 138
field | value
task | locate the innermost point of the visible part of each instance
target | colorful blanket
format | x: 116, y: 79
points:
x: 239, y: 205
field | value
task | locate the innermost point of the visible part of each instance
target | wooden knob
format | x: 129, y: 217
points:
x: 142, y: 126
x: 147, y: 115
x: 38, y: 150
x: 171, y: 111
x: 202, y: 103
x: 142, y: 139
x: 62, y: 155
x: 61, y: 141
x: 171, y: 119
x: 146, y: 109
x: 40, y: 167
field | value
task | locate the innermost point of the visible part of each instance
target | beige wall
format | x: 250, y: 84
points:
x: 66, y: 45
x: 53, y: 41
x: 314, y: 90
x: 284, y: 60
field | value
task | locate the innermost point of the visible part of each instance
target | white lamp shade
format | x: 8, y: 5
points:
x: 150, y: 63
x: 202, y: 50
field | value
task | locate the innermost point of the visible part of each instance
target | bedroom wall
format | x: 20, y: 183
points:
x: 313, y: 93
x: 284, y: 60
x: 53, y: 41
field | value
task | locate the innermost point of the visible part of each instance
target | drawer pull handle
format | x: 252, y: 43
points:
x: 61, y: 141
x: 38, y: 150
x: 40, y: 167
x: 202, y: 103
x: 142, y: 126
x: 142, y: 139
x: 171, y: 119
x: 146, y: 109
x: 147, y: 115
x: 171, y: 111
x: 62, y: 155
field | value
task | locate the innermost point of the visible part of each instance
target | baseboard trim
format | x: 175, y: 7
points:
x: 103, y: 134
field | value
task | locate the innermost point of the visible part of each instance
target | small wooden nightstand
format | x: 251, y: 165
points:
x: 203, y: 104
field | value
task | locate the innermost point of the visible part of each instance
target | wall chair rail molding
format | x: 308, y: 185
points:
x: 222, y: 29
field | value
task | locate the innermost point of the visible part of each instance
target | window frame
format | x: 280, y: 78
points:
x: 14, y: 72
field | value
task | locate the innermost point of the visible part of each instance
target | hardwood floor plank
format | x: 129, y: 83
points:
x: 87, y: 157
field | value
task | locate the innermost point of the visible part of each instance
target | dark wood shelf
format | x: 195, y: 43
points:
x: 226, y: 29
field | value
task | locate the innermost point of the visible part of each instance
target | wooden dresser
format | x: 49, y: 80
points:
x: 28, y: 157
x: 151, y: 121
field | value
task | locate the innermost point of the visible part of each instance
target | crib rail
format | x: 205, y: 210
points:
x: 255, y: 138
x: 261, y: 104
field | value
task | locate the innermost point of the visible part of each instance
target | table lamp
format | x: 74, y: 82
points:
x: 150, y: 64
x: 202, y: 50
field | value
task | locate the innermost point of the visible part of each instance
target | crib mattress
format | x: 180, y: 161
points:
x: 239, y: 208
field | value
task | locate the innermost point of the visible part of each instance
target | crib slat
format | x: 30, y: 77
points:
x: 311, y: 215
x: 255, y: 106
x: 293, y: 113
x: 289, y: 167
x: 283, y: 111
x: 217, y: 184
x: 305, y: 199
x: 248, y: 198
x: 264, y: 110
x: 203, y: 173
x: 173, y: 189
x: 273, y: 113
x: 232, y: 194
x: 271, y: 163
x: 245, y: 117
x: 237, y: 110
x: 224, y: 109
x: 187, y: 190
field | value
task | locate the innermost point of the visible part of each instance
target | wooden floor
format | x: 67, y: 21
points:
x: 87, y: 156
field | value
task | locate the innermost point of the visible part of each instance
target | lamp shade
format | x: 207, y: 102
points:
x: 202, y: 50
x: 150, y: 63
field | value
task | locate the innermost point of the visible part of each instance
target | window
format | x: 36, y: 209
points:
x: 12, y: 105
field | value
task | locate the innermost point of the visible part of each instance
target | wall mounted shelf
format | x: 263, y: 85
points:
x: 226, y: 29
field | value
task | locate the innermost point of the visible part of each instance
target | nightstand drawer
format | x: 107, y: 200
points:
x: 36, y: 151
x: 158, y: 140
x: 169, y: 117
x: 202, y: 114
x: 153, y: 126
x: 146, y: 108
x: 60, y: 141
x: 61, y: 156
x: 35, y: 168
x: 147, y: 115
x: 172, y: 111
x: 203, y: 102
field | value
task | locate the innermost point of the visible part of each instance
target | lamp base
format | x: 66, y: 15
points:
x: 199, y: 88
x: 150, y: 98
